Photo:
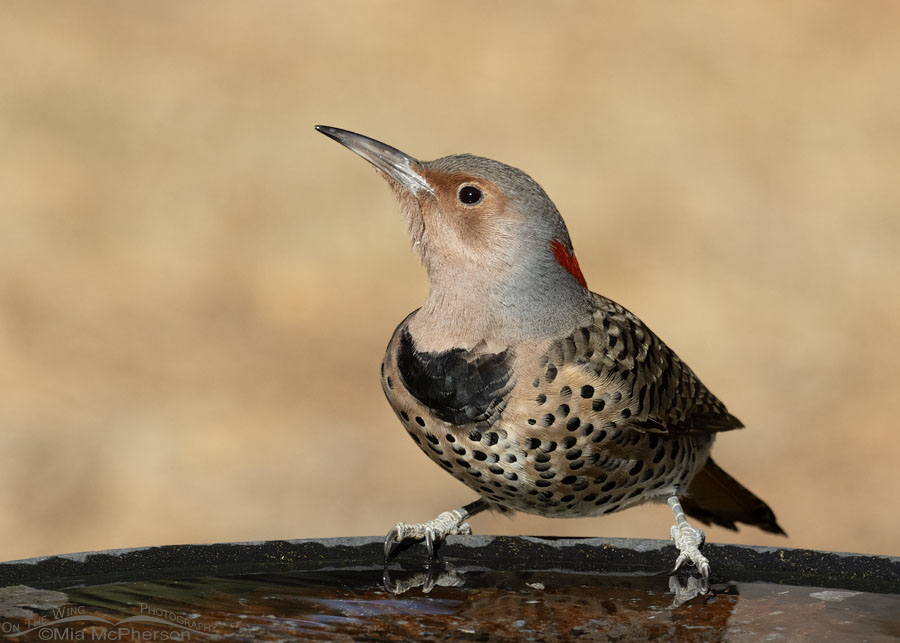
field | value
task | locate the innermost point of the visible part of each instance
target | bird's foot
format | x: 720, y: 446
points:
x: 449, y: 523
x: 688, y: 540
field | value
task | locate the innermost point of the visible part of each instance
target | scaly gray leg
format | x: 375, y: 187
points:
x: 446, y: 524
x: 688, y: 540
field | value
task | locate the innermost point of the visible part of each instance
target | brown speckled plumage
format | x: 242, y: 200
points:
x: 600, y: 420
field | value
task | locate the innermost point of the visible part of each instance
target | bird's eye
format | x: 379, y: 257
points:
x: 469, y: 194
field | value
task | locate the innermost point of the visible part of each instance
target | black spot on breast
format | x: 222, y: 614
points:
x: 598, y: 404
x: 569, y: 480
x: 540, y: 399
x: 587, y: 391
x: 548, y: 419
x: 551, y: 373
x: 458, y: 386
x: 565, y: 391
x: 420, y: 421
x: 574, y: 454
x: 479, y: 455
x: 573, y: 423
x: 563, y: 410
x: 405, y: 416
x: 569, y: 442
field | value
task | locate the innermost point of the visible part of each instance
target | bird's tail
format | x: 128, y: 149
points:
x: 713, y: 496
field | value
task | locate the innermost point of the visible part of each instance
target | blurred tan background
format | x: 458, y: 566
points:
x: 196, y: 288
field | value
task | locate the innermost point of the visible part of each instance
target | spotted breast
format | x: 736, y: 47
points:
x: 603, y: 419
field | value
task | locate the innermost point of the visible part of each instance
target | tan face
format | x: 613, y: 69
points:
x: 468, y: 219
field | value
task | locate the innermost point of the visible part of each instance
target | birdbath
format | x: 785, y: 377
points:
x: 482, y: 588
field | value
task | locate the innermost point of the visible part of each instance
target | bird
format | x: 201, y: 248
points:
x: 540, y: 395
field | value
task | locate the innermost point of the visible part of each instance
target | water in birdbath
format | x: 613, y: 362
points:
x: 458, y: 604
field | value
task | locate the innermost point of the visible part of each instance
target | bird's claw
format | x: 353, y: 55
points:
x: 689, y: 540
x: 432, y: 532
x: 392, y: 540
x: 429, y: 542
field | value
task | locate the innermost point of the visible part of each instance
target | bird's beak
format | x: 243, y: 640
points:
x: 397, y: 165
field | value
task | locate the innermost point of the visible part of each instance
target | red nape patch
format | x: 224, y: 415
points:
x: 565, y: 258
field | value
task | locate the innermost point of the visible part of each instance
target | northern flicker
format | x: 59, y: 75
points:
x: 538, y: 394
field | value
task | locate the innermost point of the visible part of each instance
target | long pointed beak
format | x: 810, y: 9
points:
x: 397, y: 165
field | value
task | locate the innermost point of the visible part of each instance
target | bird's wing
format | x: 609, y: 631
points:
x: 661, y: 392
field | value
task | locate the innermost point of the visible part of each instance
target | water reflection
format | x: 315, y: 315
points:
x: 682, y: 587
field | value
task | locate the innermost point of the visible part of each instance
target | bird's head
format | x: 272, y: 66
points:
x: 481, y: 228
